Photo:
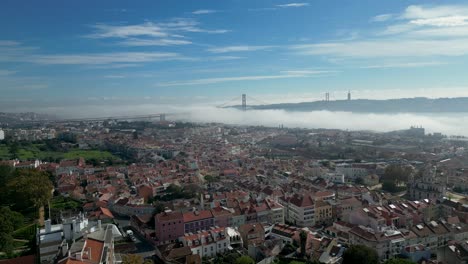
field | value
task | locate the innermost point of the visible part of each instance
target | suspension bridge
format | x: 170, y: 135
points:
x: 233, y: 102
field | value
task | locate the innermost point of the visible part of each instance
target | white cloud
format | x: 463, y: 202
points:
x: 203, y: 11
x: 145, y: 29
x: 223, y: 58
x: 238, y: 48
x: 153, y: 42
x: 103, y: 58
x: 382, y: 18
x: 378, y: 48
x: 293, y: 5
x: 230, y: 79
x: 287, y: 74
x: 404, y: 65
x: 114, y: 76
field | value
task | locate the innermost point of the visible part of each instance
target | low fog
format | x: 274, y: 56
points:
x: 449, y: 123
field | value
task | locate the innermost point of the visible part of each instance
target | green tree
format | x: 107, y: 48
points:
x: 30, y: 187
x: 360, y: 254
x: 303, y: 239
x: 244, y: 260
x: 9, y: 221
x: 399, y: 261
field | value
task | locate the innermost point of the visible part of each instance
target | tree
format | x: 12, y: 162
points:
x: 399, y: 261
x: 360, y: 254
x: 9, y: 221
x: 244, y: 260
x: 303, y: 239
x: 30, y: 187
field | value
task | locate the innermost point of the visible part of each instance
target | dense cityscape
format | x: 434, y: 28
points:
x: 172, y: 192
x: 234, y: 132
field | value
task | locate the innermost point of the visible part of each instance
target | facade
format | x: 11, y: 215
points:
x: 197, y: 221
x: 299, y: 210
x: 169, y: 226
x: 388, y: 243
x: 49, y: 240
x: 2, y: 134
x: 426, y: 187
x: 252, y: 234
x: 351, y: 173
x: 323, y: 212
x: 207, y: 243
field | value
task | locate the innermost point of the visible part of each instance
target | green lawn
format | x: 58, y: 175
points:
x: 64, y: 203
x: 32, y: 151
x: 4, y: 152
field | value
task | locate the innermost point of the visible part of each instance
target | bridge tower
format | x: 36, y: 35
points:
x: 244, y: 102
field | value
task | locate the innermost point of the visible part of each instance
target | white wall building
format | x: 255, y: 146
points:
x: 2, y: 134
x: 207, y: 243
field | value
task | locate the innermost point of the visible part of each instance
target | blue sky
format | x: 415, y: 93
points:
x: 211, y: 51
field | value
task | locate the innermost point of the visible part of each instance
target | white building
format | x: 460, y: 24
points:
x: 334, y: 177
x: 2, y: 134
x: 52, y: 237
x: 49, y: 240
x: 208, y: 243
x: 300, y: 210
x: 351, y: 173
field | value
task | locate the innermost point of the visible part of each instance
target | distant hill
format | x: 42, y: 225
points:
x: 406, y: 105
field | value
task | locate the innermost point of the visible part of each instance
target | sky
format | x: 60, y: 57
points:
x: 85, y: 58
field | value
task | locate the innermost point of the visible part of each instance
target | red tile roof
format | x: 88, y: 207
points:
x: 197, y: 215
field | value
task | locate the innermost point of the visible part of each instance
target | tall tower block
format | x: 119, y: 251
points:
x: 349, y: 95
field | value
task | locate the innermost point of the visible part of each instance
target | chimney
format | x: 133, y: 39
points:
x: 99, y: 224
x: 48, y: 225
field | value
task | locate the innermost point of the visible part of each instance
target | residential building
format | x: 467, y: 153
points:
x: 96, y: 248
x: 197, y: 221
x: 429, y: 186
x: 299, y: 210
x: 323, y: 212
x: 207, y: 243
x: 169, y: 226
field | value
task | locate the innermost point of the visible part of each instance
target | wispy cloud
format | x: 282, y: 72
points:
x: 404, y: 65
x: 238, y: 48
x: 6, y: 72
x: 168, y: 33
x: 283, y: 75
x: 103, y: 58
x: 153, y: 42
x: 223, y: 58
x: 382, y: 18
x: 203, y: 11
x: 9, y: 43
x: 293, y: 5
x: 114, y: 76
x: 418, y: 31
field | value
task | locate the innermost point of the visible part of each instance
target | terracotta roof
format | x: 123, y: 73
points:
x: 304, y: 201
x: 168, y: 216
x: 197, y: 215
x: 96, y: 248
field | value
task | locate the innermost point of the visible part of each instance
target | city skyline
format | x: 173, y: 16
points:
x: 179, y: 51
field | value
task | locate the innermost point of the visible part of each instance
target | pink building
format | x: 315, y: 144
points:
x: 169, y: 226
x: 222, y: 216
x: 198, y: 221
